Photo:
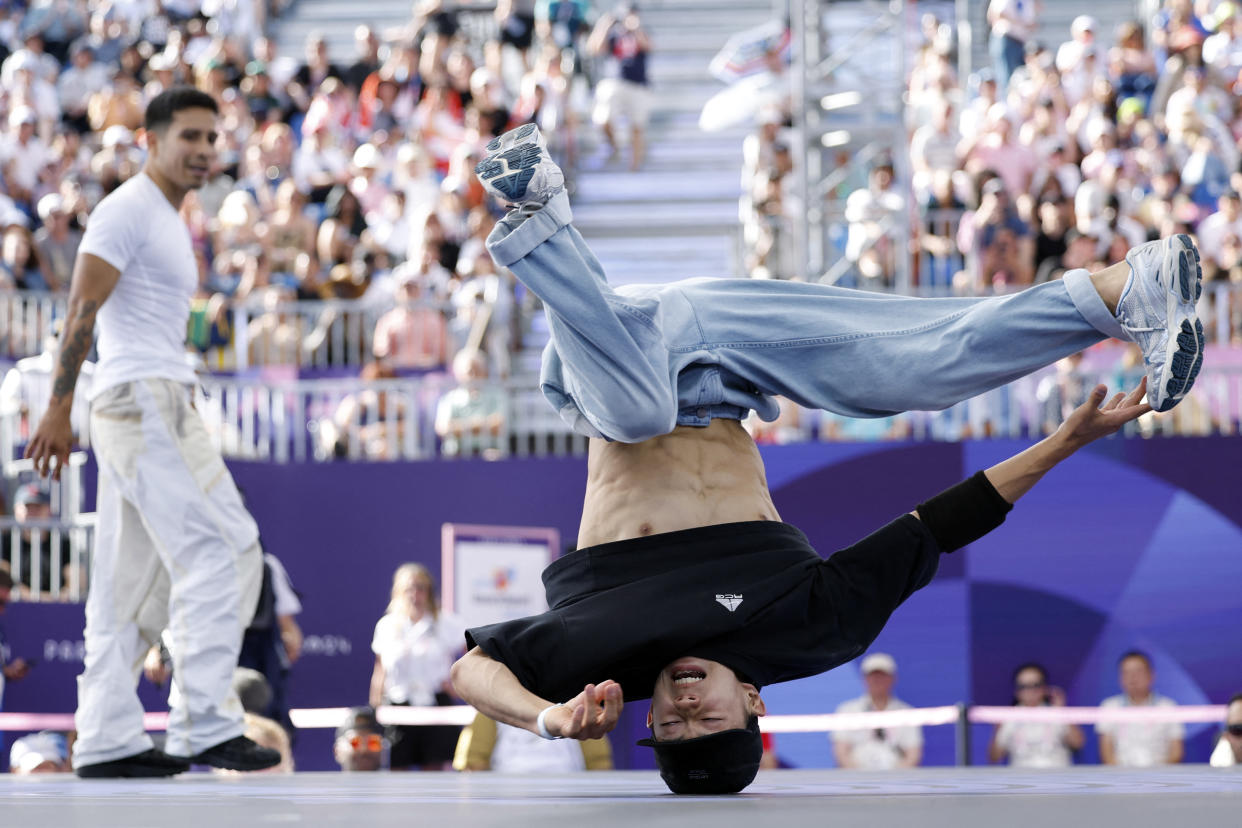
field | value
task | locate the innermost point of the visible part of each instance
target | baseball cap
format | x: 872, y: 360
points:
x: 883, y: 662
x: 718, y: 763
x: 29, y: 752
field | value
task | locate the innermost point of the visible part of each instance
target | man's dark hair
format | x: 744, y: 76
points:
x: 168, y: 103
x: 1237, y: 697
x: 6, y: 580
x: 1135, y: 654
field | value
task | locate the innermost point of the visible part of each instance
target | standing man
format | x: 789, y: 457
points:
x: 1139, y: 744
x: 687, y: 588
x: 625, y: 93
x: 174, y: 546
x: 880, y: 748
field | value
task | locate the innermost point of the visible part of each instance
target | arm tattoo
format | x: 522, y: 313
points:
x: 77, y: 344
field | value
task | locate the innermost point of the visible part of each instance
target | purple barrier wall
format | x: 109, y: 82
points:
x: 1130, y: 544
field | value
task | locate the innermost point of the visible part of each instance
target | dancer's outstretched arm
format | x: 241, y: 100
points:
x: 1088, y: 422
x: 966, y: 512
x: 495, y: 692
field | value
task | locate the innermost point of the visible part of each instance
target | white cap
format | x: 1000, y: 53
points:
x: 1084, y: 23
x: 117, y: 134
x: 22, y: 115
x: 31, y: 751
x: 50, y: 203
x: 883, y: 662
x: 367, y: 156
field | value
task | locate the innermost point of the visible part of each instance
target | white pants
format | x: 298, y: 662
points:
x: 176, y: 549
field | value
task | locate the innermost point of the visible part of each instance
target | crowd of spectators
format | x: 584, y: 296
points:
x: 1060, y: 155
x: 347, y: 181
x: 1078, y: 151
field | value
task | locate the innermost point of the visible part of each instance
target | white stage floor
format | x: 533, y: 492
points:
x: 926, y: 798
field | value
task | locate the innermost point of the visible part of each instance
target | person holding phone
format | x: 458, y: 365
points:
x: 1035, y: 744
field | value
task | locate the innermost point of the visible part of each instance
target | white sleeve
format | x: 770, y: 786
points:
x: 382, y: 635
x: 287, y: 602
x: 1107, y: 728
x: 114, y: 233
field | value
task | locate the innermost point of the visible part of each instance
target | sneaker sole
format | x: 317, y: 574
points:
x: 511, y: 162
x: 1184, y: 350
x: 128, y: 773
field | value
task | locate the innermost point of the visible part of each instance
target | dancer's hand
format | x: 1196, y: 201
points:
x: 1091, y: 420
x: 588, y: 715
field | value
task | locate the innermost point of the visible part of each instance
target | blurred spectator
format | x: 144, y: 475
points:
x: 1217, y: 229
x: 272, y: 642
x: 360, y: 744
x: 415, y: 645
x: 1013, y: 22
x: 1061, y: 392
x: 1137, y: 744
x: 1035, y: 744
x: 881, y: 748
x: 1228, y: 751
x: 29, y: 551
x: 1131, y: 67
x: 24, y: 156
x: 44, y: 752
x: 372, y: 423
x: 871, y: 213
x: 624, y: 94
x: 56, y: 242
x: 1080, y: 59
x: 998, y: 240
x: 488, y: 745
x: 470, y: 419
x: 413, y: 336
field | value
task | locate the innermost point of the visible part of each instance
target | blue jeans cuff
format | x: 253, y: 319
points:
x: 1087, y: 299
x: 508, y: 243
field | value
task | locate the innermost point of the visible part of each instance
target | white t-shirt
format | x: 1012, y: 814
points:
x: 878, y: 748
x: 286, y: 598
x: 142, y: 324
x: 1034, y: 744
x: 520, y: 751
x: 1140, y: 745
x: 416, y: 656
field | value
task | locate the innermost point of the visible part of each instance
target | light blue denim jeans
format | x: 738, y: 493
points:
x: 630, y: 364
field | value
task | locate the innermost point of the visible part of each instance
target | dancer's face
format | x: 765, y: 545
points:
x: 184, y: 151
x: 694, y: 697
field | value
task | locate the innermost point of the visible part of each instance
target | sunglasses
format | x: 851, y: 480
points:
x: 1234, y: 729
x: 368, y: 742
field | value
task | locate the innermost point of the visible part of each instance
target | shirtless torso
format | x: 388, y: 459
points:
x: 688, y: 478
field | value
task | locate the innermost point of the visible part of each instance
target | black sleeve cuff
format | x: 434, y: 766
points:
x: 964, y: 513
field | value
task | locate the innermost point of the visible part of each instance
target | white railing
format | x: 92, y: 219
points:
x: 326, y: 419
x: 49, y: 559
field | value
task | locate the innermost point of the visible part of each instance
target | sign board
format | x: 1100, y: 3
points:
x: 493, y: 573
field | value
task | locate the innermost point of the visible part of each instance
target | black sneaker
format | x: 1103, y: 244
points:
x: 148, y: 763
x: 238, y: 753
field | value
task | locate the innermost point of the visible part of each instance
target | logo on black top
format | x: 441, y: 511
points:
x: 729, y: 601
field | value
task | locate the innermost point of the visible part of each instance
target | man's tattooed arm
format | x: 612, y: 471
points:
x: 75, y: 344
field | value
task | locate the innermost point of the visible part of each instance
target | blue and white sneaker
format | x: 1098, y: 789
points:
x: 1157, y: 310
x: 518, y: 169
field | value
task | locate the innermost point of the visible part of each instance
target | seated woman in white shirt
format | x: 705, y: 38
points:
x: 415, y: 645
x: 1035, y: 744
